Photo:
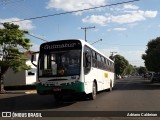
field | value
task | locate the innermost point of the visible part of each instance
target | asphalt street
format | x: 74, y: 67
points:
x: 130, y: 95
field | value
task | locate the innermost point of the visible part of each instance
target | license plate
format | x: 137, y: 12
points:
x: 57, y: 89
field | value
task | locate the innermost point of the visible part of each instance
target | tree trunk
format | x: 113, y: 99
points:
x: 2, y: 73
x: 2, y: 84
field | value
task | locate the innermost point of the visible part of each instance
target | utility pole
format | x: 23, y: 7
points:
x: 85, y: 30
x: 96, y: 41
x: 112, y: 57
x: 113, y: 53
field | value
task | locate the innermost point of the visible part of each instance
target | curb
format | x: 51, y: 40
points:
x: 19, y: 92
x: 31, y: 92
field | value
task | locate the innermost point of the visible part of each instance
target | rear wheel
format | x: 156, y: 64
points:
x: 94, y: 92
x: 111, y: 88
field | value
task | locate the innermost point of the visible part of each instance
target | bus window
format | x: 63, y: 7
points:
x: 103, y: 62
x: 87, y: 59
x: 98, y: 61
x: 63, y: 63
x: 94, y: 59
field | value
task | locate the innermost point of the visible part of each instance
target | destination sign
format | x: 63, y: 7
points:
x: 61, y: 45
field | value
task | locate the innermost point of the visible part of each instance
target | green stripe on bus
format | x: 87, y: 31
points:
x: 77, y: 87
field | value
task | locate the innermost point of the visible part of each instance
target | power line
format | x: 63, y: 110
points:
x: 37, y: 37
x: 63, y: 13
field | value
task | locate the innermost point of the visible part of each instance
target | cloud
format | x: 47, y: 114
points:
x: 72, y: 5
x: 24, y: 25
x: 117, y: 29
x: 130, y: 6
x: 151, y: 14
x: 96, y: 19
x: 127, y: 17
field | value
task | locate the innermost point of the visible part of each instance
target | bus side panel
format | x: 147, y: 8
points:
x: 102, y: 78
x: 94, y: 75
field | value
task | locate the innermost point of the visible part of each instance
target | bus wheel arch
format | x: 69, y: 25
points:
x: 93, y: 94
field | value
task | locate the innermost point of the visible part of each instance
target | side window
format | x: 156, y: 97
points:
x: 94, y: 59
x: 98, y: 61
x: 103, y: 63
x: 112, y: 67
x: 87, y: 59
x: 107, y: 64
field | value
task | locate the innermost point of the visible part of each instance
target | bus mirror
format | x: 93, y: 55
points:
x: 33, y: 58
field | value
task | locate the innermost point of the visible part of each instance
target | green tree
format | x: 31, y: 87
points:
x: 152, y: 55
x: 129, y: 70
x: 142, y: 70
x: 12, y: 41
x: 120, y: 64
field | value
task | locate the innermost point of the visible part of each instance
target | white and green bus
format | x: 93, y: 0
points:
x: 73, y: 66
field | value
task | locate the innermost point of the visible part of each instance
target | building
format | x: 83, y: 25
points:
x: 24, y: 77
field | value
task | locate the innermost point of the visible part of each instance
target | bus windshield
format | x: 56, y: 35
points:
x: 59, y: 63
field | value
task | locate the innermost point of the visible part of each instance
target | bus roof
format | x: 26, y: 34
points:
x: 83, y: 43
x: 89, y: 45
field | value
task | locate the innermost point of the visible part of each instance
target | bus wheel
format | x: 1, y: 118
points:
x: 94, y: 92
x: 110, y: 89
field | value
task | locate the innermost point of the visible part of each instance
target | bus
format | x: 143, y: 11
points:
x: 73, y: 66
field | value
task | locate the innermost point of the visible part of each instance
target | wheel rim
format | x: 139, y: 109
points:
x: 94, y: 90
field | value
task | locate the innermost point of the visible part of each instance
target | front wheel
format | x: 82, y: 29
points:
x: 94, y: 92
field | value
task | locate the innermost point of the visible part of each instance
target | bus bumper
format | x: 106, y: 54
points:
x: 77, y: 87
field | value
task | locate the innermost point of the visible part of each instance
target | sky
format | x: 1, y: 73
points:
x: 124, y: 28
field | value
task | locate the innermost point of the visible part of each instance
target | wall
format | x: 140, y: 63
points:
x: 24, y: 77
x: 14, y: 79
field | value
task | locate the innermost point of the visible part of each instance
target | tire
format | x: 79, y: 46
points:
x: 111, y: 88
x: 94, y: 92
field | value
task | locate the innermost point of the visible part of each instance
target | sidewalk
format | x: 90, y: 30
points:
x: 20, y: 92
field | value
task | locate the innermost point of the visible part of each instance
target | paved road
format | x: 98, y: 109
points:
x: 130, y: 94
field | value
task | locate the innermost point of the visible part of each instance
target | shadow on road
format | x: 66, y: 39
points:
x: 136, y: 83
x: 12, y: 102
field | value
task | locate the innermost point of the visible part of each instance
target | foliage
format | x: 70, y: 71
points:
x: 129, y: 70
x: 12, y: 44
x: 120, y: 64
x: 142, y: 70
x: 152, y: 55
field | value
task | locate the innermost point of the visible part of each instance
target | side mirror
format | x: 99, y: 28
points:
x: 33, y: 58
